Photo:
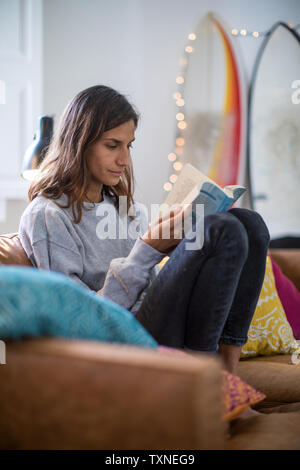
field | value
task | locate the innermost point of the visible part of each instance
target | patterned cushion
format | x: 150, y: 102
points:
x: 269, y: 332
x: 238, y: 396
x: 41, y: 303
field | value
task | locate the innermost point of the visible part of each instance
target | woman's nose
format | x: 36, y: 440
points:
x: 124, y: 157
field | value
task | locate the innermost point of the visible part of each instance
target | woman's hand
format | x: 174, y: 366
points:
x: 167, y: 232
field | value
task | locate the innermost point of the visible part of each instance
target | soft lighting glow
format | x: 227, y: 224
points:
x: 177, y: 166
x: 183, y: 62
x: 189, y: 49
x: 177, y: 95
x: 179, y: 150
x: 180, y: 141
x: 257, y: 34
x: 167, y: 186
x: 173, y: 178
x: 180, y: 116
x: 182, y: 125
x: 192, y: 36
x: 179, y: 80
x: 172, y: 157
x: 180, y: 102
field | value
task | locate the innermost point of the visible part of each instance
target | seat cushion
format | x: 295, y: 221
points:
x: 12, y: 252
x: 275, y: 376
x: 276, y: 431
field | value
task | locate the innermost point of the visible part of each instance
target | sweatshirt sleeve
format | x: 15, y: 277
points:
x: 128, y: 277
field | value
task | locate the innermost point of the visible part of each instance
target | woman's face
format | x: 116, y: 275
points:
x: 108, y: 157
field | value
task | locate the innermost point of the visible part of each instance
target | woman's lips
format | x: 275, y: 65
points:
x: 116, y: 173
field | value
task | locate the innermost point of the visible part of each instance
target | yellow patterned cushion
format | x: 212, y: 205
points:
x: 269, y: 332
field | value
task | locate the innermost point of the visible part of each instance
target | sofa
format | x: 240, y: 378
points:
x: 73, y: 394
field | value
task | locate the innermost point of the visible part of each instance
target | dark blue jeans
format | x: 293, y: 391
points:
x: 206, y: 296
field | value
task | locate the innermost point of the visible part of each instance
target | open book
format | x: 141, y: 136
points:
x: 194, y: 187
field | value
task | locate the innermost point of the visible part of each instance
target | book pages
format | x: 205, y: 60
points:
x: 187, y: 180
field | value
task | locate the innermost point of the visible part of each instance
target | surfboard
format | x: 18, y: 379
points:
x: 274, y: 132
x: 215, y: 104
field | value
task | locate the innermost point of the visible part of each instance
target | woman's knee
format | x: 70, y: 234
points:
x: 226, y: 230
x: 254, y: 224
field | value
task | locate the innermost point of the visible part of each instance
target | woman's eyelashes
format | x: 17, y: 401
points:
x: 112, y: 147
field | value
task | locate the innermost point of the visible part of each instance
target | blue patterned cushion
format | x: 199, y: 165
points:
x: 41, y: 303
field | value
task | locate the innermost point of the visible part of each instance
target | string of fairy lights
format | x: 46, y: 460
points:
x: 258, y: 34
x: 179, y: 98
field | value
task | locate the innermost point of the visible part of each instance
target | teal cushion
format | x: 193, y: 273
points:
x: 34, y: 303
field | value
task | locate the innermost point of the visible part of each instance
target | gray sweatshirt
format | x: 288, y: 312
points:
x: 118, y: 267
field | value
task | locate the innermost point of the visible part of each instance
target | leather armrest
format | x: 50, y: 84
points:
x: 68, y: 394
x: 12, y: 251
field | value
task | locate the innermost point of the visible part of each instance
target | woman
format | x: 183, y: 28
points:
x: 203, y: 299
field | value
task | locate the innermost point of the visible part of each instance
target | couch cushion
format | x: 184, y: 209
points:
x: 269, y: 332
x: 285, y: 408
x: 12, y: 252
x: 289, y: 297
x: 275, y: 376
x: 277, y: 431
x: 37, y: 302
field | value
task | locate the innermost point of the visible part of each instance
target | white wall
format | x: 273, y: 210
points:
x: 135, y: 47
x: 21, y: 45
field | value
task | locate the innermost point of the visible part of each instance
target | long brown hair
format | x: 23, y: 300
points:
x: 89, y: 114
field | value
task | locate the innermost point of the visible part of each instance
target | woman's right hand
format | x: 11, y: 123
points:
x: 166, y: 232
